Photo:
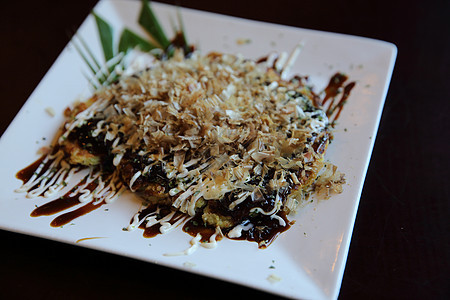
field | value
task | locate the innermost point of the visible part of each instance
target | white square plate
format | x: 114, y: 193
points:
x: 308, y: 260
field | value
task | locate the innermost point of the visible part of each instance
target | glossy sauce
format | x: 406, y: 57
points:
x: 154, y: 230
x: 196, y: 225
x: 55, y: 206
x: 264, y: 234
x: 335, y: 83
x: 264, y: 230
x: 345, y: 94
x: 26, y: 173
x: 332, y: 90
x: 62, y: 203
x: 70, y: 216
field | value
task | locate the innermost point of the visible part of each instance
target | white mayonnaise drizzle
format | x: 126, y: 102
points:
x: 240, y: 198
x: 237, y: 230
x: 195, y: 242
x: 280, y: 220
x: 81, y: 117
x: 52, y: 180
x: 82, y: 189
x: 166, y: 226
x: 58, y: 172
x: 118, y: 158
x: 99, y: 129
x: 135, y: 223
x: 133, y: 180
x: 60, y: 182
x: 194, y: 245
x: 107, y: 190
x: 281, y: 61
x: 274, y: 210
x: 151, y: 219
x: 190, y: 190
x: 212, y: 239
x: 290, y: 61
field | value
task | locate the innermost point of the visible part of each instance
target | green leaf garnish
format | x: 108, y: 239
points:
x: 91, y: 62
x: 150, y: 23
x: 106, y: 37
x: 105, y: 73
x: 130, y: 40
x: 89, y: 57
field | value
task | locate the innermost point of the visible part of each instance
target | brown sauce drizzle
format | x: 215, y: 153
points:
x: 151, y: 231
x: 154, y: 230
x: 196, y: 225
x: 165, y: 210
x: 264, y: 235
x: 89, y: 238
x: 70, y: 216
x: 264, y: 230
x: 333, y: 89
x: 26, y: 173
x: 179, y: 41
x: 55, y: 206
x: 262, y: 59
x: 62, y: 203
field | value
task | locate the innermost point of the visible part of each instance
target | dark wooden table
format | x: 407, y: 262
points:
x: 400, y: 247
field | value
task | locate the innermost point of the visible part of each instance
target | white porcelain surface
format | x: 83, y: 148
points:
x: 309, y: 259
